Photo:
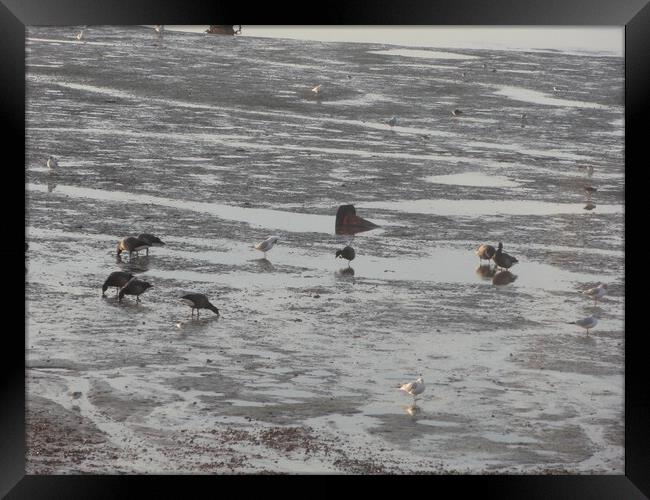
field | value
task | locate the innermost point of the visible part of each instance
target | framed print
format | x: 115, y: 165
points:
x: 345, y: 245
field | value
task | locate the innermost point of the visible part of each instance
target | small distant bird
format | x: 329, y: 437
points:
x: 456, y: 112
x: 590, y: 189
x: 198, y: 301
x: 413, y: 388
x: 493, y: 70
x: 158, y: 28
x: 150, y: 240
x: 117, y: 279
x: 347, y: 253
x: 134, y: 287
x: 266, y: 245
x: 392, y: 122
x: 503, y: 260
x: 587, y: 323
x: 587, y: 168
x: 316, y: 89
x: 556, y: 89
x: 589, y: 206
x: 503, y: 278
x: 131, y: 244
x: 596, y: 292
x: 485, y: 252
x: 52, y: 162
x: 80, y: 35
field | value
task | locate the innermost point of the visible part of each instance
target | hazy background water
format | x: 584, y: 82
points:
x: 213, y: 143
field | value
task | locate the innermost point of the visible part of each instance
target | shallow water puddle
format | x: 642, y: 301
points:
x: 536, y: 97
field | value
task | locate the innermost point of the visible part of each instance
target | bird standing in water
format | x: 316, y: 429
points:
x: 266, y: 245
x: 317, y: 89
x: 485, y: 252
x: 503, y: 260
x: 413, y: 388
x: 150, y: 240
x: 131, y: 244
x: 52, y: 162
x: 392, y: 122
x: 134, y: 287
x: 597, y: 292
x: 117, y: 279
x: 587, y: 323
x: 347, y: 253
x: 198, y: 301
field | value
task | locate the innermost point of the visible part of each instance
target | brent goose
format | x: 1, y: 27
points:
x: 117, y: 279
x: 267, y: 244
x: 52, y: 162
x: 392, y: 122
x: 347, y: 253
x: 503, y: 260
x: 413, y: 388
x: 134, y: 287
x: 456, y: 112
x: 348, y: 222
x: 198, y: 301
x: 596, y: 292
x: 587, y: 323
x: 131, y: 244
x: 150, y: 240
x: 485, y: 252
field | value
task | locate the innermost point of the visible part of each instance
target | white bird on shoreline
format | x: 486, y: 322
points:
x: 267, y: 244
x: 413, y: 388
x: 52, y: 162
x: 80, y: 35
x: 587, y: 323
x: 596, y: 292
x: 158, y: 28
x: 316, y: 89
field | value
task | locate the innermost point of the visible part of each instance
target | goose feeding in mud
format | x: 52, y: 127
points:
x: 348, y: 222
x: 52, y: 162
x: 503, y: 260
x: 134, y: 287
x: 347, y: 253
x: 587, y: 323
x: 198, y: 301
x: 117, y: 279
x: 131, y: 244
x: 485, y: 252
x: 151, y: 240
x: 596, y: 292
x: 413, y: 388
x: 267, y: 244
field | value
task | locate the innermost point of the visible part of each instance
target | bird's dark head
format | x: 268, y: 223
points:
x: 343, y: 212
x: 213, y: 309
x: 500, y: 246
x: 338, y: 253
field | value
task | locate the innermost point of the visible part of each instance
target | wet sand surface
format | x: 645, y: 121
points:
x: 214, y: 143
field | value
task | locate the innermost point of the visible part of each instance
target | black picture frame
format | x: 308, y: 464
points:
x: 15, y: 15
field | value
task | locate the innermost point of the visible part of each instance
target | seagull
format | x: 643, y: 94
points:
x: 413, y: 388
x: 316, y: 89
x: 80, y: 35
x: 117, y: 279
x: 52, y: 162
x: 134, y: 287
x: 131, y: 244
x: 485, y: 252
x: 150, y: 240
x: 556, y: 89
x: 590, y: 189
x: 198, y: 301
x: 587, y: 323
x: 158, y: 28
x: 503, y: 260
x: 267, y: 244
x: 597, y: 292
x: 456, y: 112
x: 347, y: 253
x: 392, y: 122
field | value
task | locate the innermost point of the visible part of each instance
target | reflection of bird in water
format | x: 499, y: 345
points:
x: 346, y: 271
x: 265, y: 265
x: 589, y: 206
x: 503, y: 278
x: 596, y: 292
x: 199, y: 301
x: 413, y: 409
x: 456, y: 112
x: 117, y: 279
x: 392, y: 122
x: 503, y: 260
x: 52, y: 162
x: 347, y: 253
x: 486, y: 270
x: 485, y: 252
x: 131, y: 244
x: 413, y: 388
x: 134, y: 287
x: 587, y: 323
x: 150, y: 240
x: 348, y: 222
x: 266, y: 245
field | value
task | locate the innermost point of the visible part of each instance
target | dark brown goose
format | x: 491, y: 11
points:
x: 503, y: 260
x: 134, y: 287
x: 347, y: 253
x: 151, y: 240
x: 131, y: 244
x: 117, y: 279
x: 199, y: 301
